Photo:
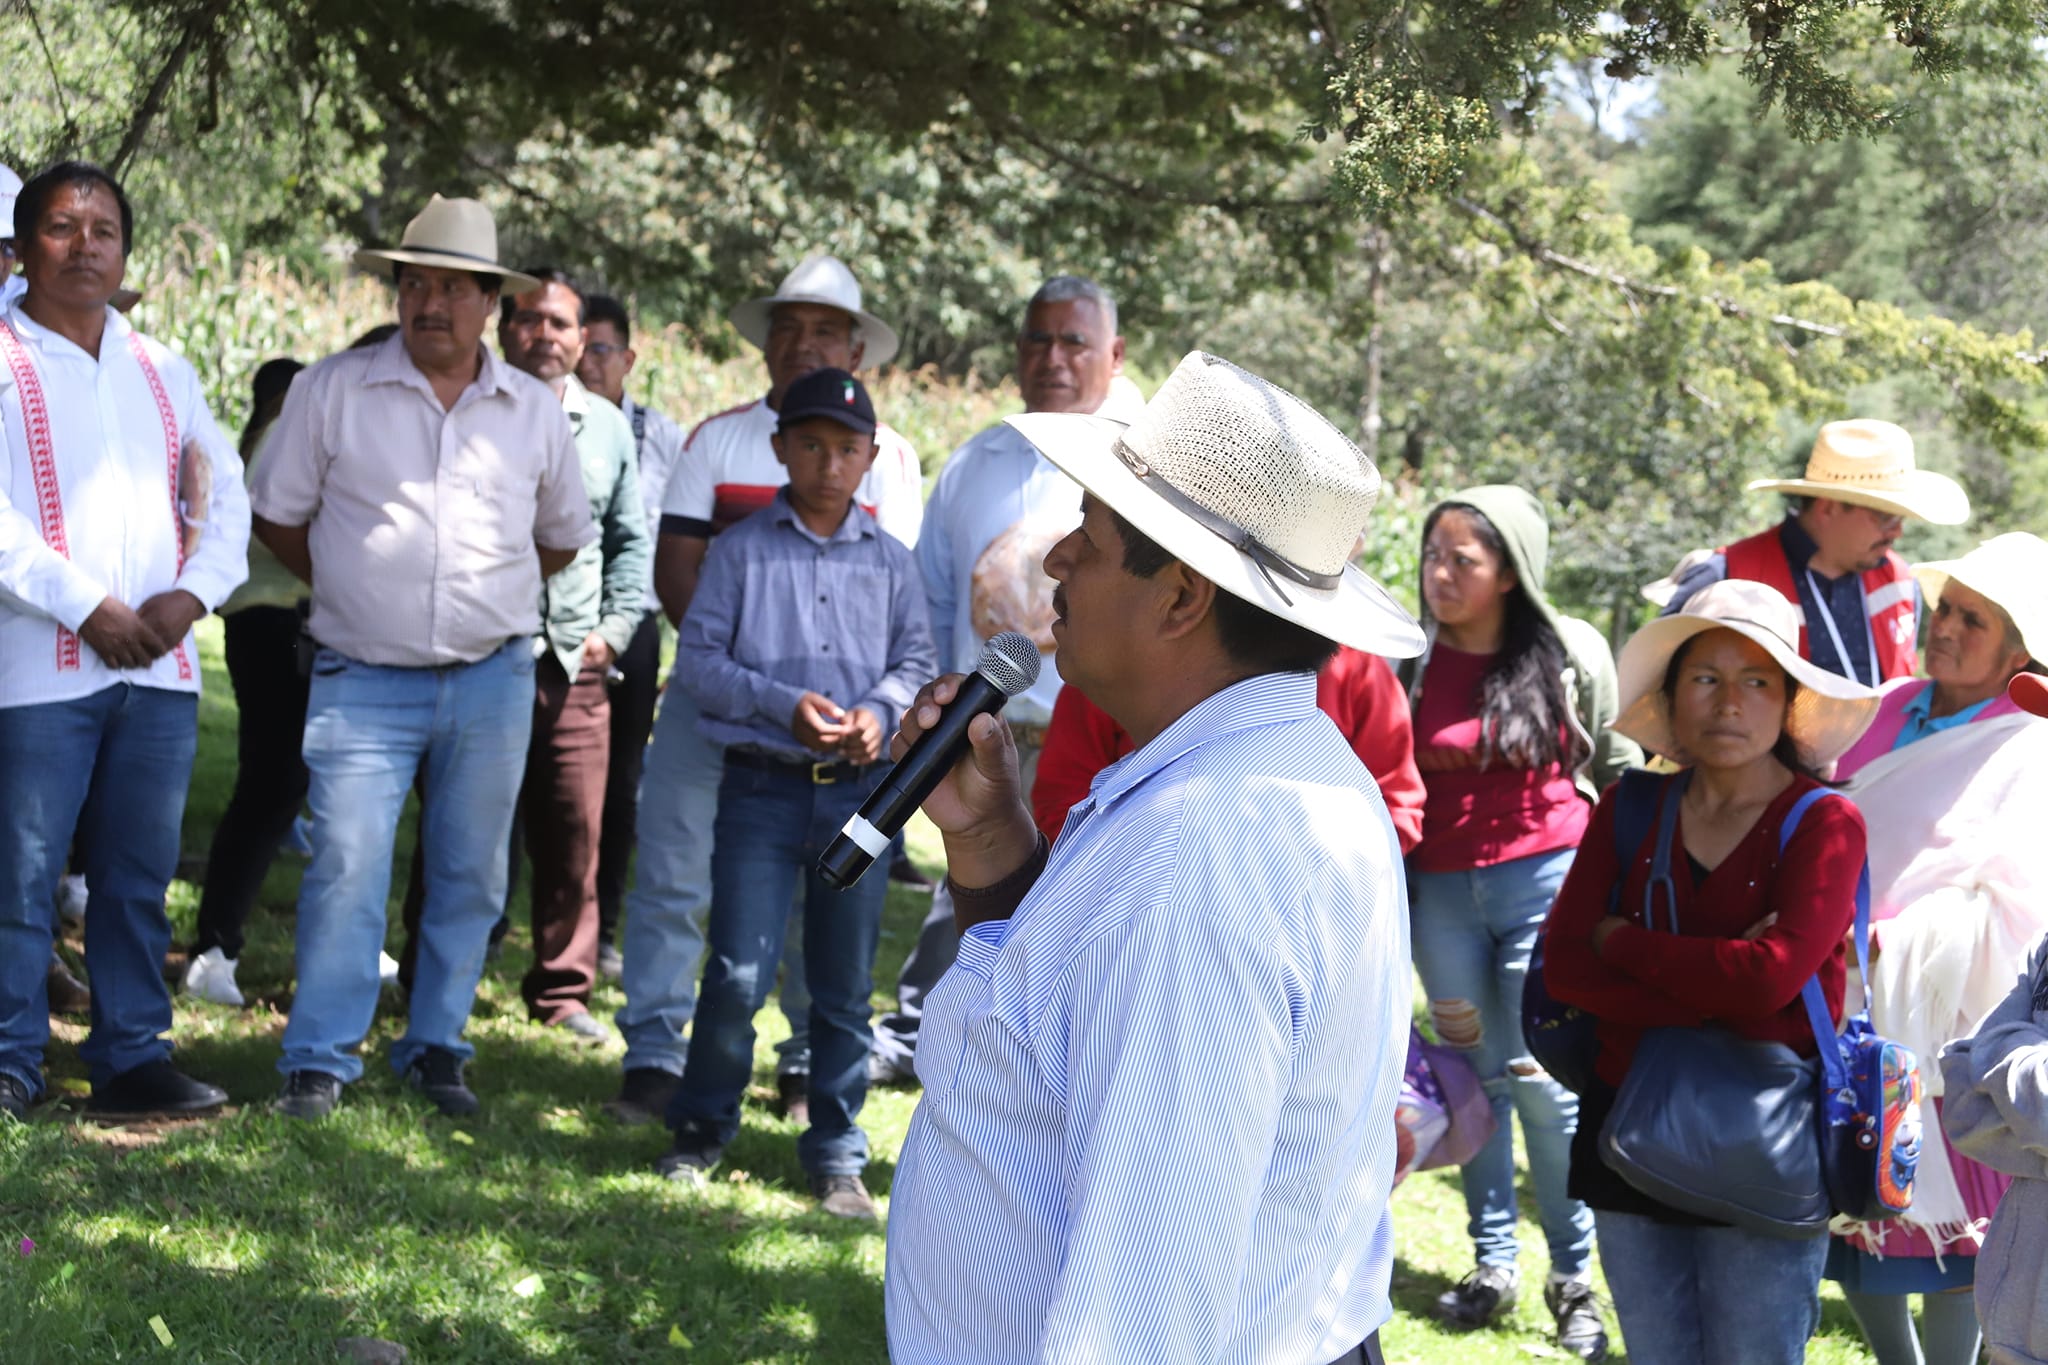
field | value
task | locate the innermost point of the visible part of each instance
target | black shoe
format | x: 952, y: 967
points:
x: 643, y: 1095
x: 308, y: 1095
x: 1577, y: 1310
x: 609, y: 963
x: 68, y: 995
x: 437, y: 1074
x: 1479, y: 1298
x: 793, y: 1097
x: 14, y: 1097
x: 843, y: 1196
x: 904, y: 872
x: 689, y: 1161
x: 153, y: 1088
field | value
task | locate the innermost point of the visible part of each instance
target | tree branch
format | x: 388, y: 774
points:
x: 153, y: 103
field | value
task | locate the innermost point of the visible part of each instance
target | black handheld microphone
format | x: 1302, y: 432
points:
x: 1008, y: 664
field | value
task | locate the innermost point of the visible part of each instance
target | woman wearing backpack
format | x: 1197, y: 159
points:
x: 1511, y: 703
x: 1951, y: 777
x: 1719, y: 689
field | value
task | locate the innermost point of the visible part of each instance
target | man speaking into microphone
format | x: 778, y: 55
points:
x: 1159, y: 1080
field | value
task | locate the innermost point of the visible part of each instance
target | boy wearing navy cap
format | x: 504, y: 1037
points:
x: 807, y: 637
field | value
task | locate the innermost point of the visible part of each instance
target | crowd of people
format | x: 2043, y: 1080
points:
x: 444, y: 570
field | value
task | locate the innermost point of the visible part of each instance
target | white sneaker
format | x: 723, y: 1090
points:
x: 71, y: 898
x: 387, y: 969
x: 211, y: 976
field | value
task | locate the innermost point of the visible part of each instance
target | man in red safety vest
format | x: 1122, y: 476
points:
x: 1832, y: 555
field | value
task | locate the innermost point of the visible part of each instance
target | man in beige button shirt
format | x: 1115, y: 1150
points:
x: 424, y: 488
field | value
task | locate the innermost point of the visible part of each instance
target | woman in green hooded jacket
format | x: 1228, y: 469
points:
x: 1511, y: 702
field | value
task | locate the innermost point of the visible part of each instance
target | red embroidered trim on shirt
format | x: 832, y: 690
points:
x: 170, y: 420
x: 42, y: 463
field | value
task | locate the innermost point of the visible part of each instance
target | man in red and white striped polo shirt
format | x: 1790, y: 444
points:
x: 122, y: 522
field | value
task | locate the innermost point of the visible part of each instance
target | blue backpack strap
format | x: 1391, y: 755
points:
x: 1660, y: 858
x: 1635, y: 798
x: 1817, y: 1017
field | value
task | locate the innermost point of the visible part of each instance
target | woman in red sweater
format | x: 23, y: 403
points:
x: 1721, y: 690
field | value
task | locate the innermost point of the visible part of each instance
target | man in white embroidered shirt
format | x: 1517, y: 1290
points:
x: 424, y: 488
x: 1096, y: 1172
x: 122, y: 522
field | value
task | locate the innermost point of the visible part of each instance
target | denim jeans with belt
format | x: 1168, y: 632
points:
x: 662, y: 941
x: 773, y: 823
x: 1473, y: 932
x: 111, y: 768
x: 1710, y: 1296
x: 369, y: 728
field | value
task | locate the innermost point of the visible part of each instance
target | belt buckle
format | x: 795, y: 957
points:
x: 823, y: 776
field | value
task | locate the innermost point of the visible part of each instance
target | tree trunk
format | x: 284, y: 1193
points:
x: 1370, y: 419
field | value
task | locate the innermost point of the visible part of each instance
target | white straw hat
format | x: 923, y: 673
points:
x: 1870, y: 463
x: 1828, y: 715
x: 2011, y: 570
x: 1248, y: 486
x: 1664, y: 589
x: 826, y: 280
x: 451, y: 234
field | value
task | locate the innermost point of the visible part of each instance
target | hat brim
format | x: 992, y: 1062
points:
x: 1935, y: 575
x: 2029, y: 692
x: 1830, y: 713
x: 878, y: 339
x: 377, y: 259
x: 1357, y: 612
x: 1922, y: 493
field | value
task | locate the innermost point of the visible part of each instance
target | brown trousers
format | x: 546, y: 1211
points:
x: 562, y: 808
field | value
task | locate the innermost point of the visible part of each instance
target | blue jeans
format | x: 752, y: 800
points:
x: 1710, y: 1296
x: 113, y: 768
x: 1473, y: 932
x: 369, y: 729
x: 662, y: 940
x: 772, y: 827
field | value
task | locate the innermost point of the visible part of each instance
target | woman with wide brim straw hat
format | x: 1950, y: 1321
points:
x: 1951, y: 777
x: 1721, y: 690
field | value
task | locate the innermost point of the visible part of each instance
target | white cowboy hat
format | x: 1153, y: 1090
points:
x: 826, y: 280
x: 10, y: 186
x: 452, y: 234
x: 1248, y: 486
x: 1870, y: 463
x: 1828, y: 715
x: 2011, y: 570
x: 1664, y: 589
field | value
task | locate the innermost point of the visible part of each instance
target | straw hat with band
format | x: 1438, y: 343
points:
x: 1249, y: 487
x: 449, y: 234
x: 2012, y: 571
x: 825, y: 280
x: 1828, y: 715
x: 1870, y: 463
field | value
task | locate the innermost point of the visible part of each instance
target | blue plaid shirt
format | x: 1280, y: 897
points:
x: 780, y: 611
x: 1158, y: 1111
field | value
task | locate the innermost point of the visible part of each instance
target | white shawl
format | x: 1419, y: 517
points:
x: 1959, y: 893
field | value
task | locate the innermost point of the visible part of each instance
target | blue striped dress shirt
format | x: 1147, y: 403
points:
x: 1158, y: 1112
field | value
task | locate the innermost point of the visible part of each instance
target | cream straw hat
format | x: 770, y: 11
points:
x: 1248, y: 486
x: 451, y: 234
x: 826, y: 280
x: 2011, y: 570
x: 1870, y: 463
x: 1828, y: 715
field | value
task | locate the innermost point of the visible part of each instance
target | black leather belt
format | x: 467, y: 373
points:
x: 821, y: 774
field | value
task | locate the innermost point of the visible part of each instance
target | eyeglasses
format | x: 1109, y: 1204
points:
x: 603, y: 350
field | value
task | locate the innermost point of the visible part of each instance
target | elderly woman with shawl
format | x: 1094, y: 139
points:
x: 1951, y: 777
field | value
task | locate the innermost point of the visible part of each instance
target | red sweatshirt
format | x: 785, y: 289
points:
x: 1357, y: 691
x: 1706, y: 973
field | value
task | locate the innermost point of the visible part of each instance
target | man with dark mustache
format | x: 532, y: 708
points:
x: 425, y: 489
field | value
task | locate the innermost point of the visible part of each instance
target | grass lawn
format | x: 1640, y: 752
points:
x: 536, y: 1231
